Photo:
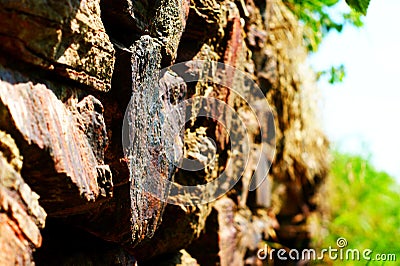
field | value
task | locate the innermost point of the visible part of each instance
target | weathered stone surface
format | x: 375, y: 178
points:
x: 241, y: 232
x: 163, y: 20
x: 145, y: 146
x: 299, y: 166
x: 21, y: 217
x: 49, y: 134
x: 90, y: 120
x: 169, y: 23
x: 67, y: 38
x: 151, y: 136
x: 229, y: 252
x: 179, y: 227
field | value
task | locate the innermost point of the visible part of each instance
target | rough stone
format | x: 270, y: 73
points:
x: 49, y: 134
x: 66, y: 38
x: 21, y: 217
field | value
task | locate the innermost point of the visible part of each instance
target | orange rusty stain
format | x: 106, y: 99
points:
x: 235, y: 42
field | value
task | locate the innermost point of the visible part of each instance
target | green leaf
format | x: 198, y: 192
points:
x: 359, y: 5
x: 335, y: 74
x: 354, y: 18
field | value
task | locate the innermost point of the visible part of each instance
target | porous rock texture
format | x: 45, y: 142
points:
x: 73, y: 72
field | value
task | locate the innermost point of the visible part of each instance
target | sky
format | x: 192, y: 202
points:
x: 362, y: 114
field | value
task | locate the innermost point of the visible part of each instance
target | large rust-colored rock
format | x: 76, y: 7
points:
x: 52, y: 137
x: 21, y: 217
x: 145, y: 145
x: 65, y: 37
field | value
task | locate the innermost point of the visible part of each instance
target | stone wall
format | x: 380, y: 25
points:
x: 73, y: 72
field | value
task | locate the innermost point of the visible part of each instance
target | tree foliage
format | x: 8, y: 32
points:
x: 335, y: 74
x: 317, y: 19
x: 365, y: 206
x: 359, y: 5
